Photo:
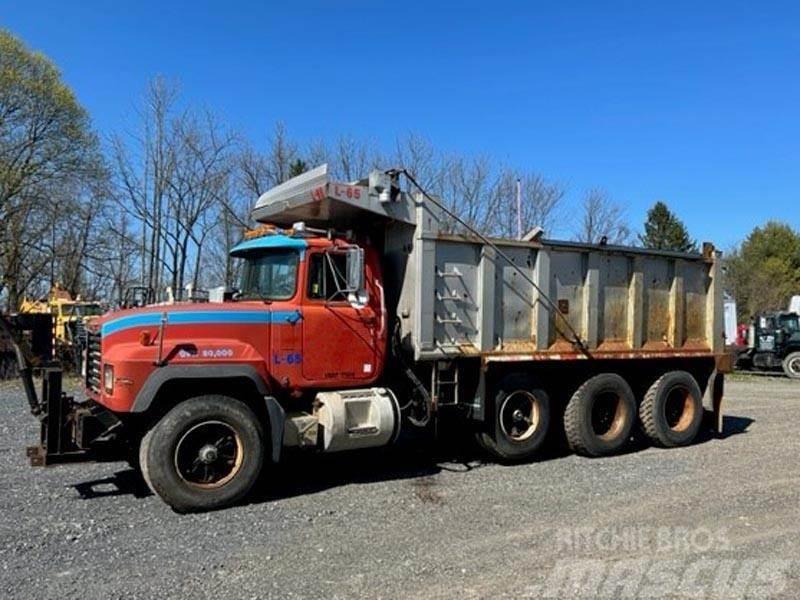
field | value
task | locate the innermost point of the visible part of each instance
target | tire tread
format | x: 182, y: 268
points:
x: 575, y: 413
x: 647, y: 410
x: 163, y: 483
x: 572, y: 420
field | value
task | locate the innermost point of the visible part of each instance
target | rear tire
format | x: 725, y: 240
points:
x: 600, y: 415
x: 205, y: 453
x: 791, y: 365
x: 520, y: 421
x: 672, y: 410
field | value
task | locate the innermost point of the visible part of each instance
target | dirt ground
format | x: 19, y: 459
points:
x: 720, y: 518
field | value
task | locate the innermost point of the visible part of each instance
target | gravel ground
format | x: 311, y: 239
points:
x: 724, y: 512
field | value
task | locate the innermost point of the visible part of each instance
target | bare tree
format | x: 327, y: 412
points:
x: 119, y: 256
x: 419, y: 157
x: 217, y: 264
x: 79, y: 240
x: 348, y: 159
x: 143, y: 165
x: 258, y: 171
x: 172, y: 181
x: 540, y: 202
x: 602, y: 220
x: 203, y: 160
x: 467, y: 189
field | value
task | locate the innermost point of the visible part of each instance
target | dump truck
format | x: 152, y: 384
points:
x: 772, y: 344
x: 361, y: 317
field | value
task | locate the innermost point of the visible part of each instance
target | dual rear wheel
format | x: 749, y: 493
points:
x: 521, y: 419
x: 599, y: 417
x: 672, y: 410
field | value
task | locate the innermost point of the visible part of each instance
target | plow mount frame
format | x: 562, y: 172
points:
x: 70, y: 431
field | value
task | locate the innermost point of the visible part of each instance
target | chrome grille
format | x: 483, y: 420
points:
x: 92, y: 365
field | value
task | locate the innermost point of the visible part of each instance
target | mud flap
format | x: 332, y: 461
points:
x: 277, y: 418
x: 712, y: 402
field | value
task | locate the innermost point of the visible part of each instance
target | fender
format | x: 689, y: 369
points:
x: 158, y: 378
x: 792, y: 346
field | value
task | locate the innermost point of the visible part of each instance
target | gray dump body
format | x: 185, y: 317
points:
x: 455, y: 296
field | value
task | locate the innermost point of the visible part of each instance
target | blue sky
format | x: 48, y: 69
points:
x: 697, y: 104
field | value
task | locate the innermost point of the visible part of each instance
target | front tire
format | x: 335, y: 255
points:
x: 520, y: 421
x: 791, y: 365
x: 205, y: 453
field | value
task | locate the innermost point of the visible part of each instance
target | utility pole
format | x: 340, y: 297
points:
x: 519, y: 209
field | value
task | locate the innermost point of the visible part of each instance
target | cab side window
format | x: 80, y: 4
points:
x: 326, y: 276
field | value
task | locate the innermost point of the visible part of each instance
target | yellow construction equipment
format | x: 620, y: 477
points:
x: 70, y: 317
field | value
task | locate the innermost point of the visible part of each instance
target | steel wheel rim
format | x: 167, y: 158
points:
x: 519, y: 415
x: 794, y: 366
x: 607, y: 415
x: 208, y: 455
x: 679, y: 409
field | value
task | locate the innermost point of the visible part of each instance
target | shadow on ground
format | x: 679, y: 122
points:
x: 731, y: 425
x: 121, y: 483
x: 302, y: 473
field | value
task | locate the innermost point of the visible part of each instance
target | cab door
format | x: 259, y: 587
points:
x: 339, y: 339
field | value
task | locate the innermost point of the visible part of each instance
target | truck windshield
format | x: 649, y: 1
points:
x: 85, y: 310
x: 791, y: 323
x: 270, y: 275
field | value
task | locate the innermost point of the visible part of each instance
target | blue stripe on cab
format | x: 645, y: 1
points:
x: 210, y: 317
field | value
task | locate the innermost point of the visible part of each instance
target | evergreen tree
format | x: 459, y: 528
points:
x: 298, y: 167
x: 664, y: 231
x: 764, y: 272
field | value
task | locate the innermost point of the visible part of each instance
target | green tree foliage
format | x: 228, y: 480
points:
x: 764, y: 272
x: 47, y: 149
x: 664, y: 231
x: 298, y: 167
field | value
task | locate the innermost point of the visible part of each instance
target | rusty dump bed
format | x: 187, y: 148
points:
x: 455, y: 296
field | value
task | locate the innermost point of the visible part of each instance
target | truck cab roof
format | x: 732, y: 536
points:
x: 268, y: 241
x: 270, y: 237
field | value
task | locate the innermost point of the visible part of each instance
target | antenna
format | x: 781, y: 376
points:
x: 519, y: 209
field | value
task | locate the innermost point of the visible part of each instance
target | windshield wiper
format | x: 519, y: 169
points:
x: 256, y: 295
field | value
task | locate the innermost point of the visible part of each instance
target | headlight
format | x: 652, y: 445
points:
x: 108, y: 378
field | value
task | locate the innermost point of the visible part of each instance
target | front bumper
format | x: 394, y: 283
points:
x: 73, y: 431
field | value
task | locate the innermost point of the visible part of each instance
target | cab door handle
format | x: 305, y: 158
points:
x: 295, y: 318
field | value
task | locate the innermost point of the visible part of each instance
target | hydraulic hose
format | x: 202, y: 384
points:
x: 24, y: 364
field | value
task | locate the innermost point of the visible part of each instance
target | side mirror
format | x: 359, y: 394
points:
x: 355, y: 270
x: 356, y: 288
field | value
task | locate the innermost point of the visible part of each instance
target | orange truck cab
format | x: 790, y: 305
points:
x: 303, y: 300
